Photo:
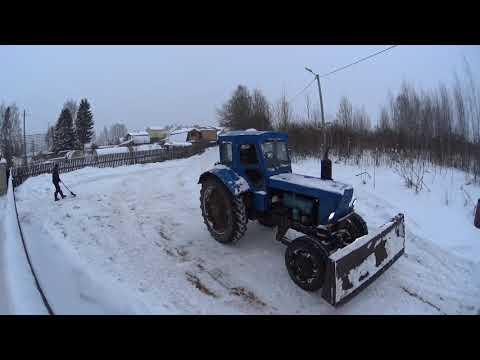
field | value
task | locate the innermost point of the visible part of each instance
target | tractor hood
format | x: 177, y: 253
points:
x: 333, y: 196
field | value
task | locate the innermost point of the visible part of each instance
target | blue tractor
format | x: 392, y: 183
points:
x: 254, y: 181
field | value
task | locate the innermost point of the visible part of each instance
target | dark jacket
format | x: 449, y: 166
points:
x: 55, y: 176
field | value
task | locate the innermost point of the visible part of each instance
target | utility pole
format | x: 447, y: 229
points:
x: 24, y: 140
x: 321, y: 109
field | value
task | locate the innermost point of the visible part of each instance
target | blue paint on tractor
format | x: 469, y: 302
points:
x: 234, y: 182
x: 260, y: 201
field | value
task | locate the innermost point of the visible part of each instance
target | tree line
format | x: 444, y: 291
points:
x: 440, y: 125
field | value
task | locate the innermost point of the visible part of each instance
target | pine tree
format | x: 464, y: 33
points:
x: 84, y: 123
x: 10, y: 133
x: 64, y: 137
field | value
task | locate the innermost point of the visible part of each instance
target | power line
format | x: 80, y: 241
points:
x: 339, y: 69
x: 356, y: 62
x: 301, y: 91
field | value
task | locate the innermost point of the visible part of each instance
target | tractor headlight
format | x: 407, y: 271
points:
x: 330, y: 217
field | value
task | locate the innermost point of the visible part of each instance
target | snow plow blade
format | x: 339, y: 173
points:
x: 354, y: 267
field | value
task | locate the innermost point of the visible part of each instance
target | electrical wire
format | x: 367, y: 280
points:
x: 301, y: 91
x: 358, y: 61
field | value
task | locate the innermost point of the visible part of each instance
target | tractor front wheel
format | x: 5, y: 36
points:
x: 359, y: 226
x: 224, y: 214
x: 306, y: 263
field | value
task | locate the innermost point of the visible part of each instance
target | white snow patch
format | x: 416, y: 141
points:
x: 178, y: 137
x: 147, y: 147
x: 312, y: 182
x: 114, y: 150
x: 138, y: 133
x: 177, y: 143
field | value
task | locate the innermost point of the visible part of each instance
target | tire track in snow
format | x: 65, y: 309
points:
x: 415, y: 295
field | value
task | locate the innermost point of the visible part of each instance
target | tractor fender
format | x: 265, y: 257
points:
x: 235, y: 183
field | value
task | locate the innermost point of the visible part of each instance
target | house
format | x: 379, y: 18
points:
x: 140, y: 137
x: 202, y: 134
x: 157, y: 133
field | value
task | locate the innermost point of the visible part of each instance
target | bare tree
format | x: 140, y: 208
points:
x: 116, y: 132
x: 308, y: 106
x: 461, y: 127
x: 103, y: 138
x: 283, y: 114
x: 345, y: 113
x: 384, y: 120
x: 472, y: 102
x: 261, y: 117
x: 236, y: 112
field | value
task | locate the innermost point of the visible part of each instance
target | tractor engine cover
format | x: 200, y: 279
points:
x: 300, y: 205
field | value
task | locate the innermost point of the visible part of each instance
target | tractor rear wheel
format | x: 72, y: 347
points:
x: 224, y: 214
x: 306, y: 263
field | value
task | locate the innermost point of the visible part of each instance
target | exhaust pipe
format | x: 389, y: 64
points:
x: 326, y: 167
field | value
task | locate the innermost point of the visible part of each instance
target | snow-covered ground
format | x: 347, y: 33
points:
x: 133, y: 241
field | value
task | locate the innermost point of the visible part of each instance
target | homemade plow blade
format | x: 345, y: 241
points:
x: 354, y: 267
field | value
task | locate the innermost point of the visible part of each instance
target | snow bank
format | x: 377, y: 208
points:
x: 18, y: 293
x: 66, y: 280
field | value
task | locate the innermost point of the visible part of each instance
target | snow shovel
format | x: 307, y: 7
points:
x: 71, y: 192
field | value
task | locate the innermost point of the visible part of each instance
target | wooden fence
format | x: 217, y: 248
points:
x: 20, y: 174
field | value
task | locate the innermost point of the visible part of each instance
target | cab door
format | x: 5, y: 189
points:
x: 250, y: 165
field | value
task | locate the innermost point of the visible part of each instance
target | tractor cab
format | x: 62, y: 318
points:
x: 255, y: 155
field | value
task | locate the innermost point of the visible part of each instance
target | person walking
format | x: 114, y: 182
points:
x: 56, y: 182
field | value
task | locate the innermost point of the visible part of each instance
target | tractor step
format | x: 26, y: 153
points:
x: 354, y: 267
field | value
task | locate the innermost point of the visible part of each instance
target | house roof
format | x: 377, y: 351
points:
x: 197, y: 128
x: 138, y: 133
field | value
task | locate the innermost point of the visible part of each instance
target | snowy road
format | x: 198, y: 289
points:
x: 133, y: 241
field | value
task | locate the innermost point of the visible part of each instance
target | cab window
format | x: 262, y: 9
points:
x: 275, y: 153
x: 248, y: 154
x: 226, y: 153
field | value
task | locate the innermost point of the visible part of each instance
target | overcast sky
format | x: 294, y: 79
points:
x: 160, y: 85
